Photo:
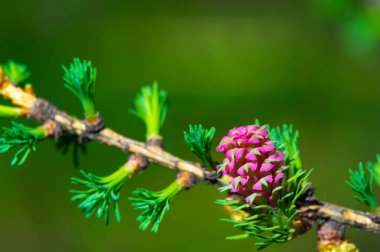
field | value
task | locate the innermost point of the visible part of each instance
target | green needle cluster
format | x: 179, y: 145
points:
x: 286, y: 139
x: 154, y: 205
x: 80, y: 79
x: 23, y: 137
x: 374, y: 169
x: 363, y: 186
x: 17, y: 73
x: 151, y: 106
x: 199, y: 140
x: 102, y: 193
x: 265, y: 223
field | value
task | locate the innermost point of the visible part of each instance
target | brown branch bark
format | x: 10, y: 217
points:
x: 364, y: 221
x: 43, y: 111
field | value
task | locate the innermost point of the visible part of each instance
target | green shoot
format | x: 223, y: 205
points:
x: 8, y: 111
x: 102, y: 193
x: 80, y: 79
x: 16, y: 72
x: 199, y: 140
x: 151, y: 106
x: 154, y: 204
x: 23, y: 137
x: 363, y: 186
x: 374, y: 169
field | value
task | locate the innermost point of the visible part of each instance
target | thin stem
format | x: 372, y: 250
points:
x: 89, y: 109
x: 8, y: 111
x: 40, y: 132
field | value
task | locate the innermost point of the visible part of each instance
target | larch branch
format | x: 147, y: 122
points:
x: 43, y: 111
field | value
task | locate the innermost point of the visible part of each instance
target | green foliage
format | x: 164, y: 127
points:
x: 80, y: 79
x: 199, y: 140
x: 8, y: 111
x: 102, y: 193
x: 269, y: 224
x: 16, y: 72
x: 374, y: 169
x: 23, y: 137
x: 151, y: 106
x: 67, y: 141
x: 286, y: 139
x: 274, y: 224
x: 363, y: 186
x: 154, y: 205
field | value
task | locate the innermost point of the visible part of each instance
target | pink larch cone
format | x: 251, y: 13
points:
x: 254, y: 164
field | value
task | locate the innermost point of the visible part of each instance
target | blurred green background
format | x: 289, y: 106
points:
x: 223, y: 63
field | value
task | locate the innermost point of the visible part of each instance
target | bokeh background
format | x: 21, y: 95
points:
x: 224, y: 64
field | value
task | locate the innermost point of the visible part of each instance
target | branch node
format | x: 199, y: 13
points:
x: 42, y: 111
x: 186, y: 179
x: 211, y: 176
x: 94, y: 125
x: 155, y: 141
x: 138, y: 162
x: 53, y: 129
